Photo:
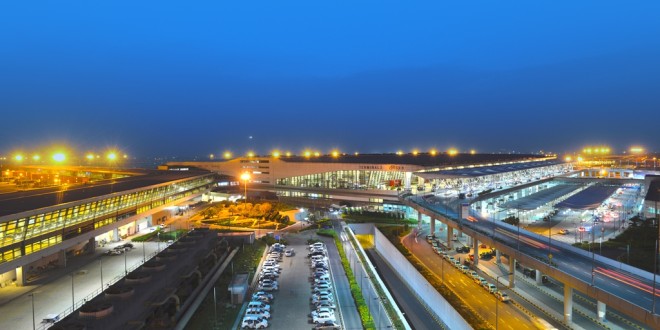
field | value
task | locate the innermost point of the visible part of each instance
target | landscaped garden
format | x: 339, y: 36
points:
x: 226, y: 214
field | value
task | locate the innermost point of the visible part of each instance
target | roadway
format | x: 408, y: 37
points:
x: 477, y: 298
x: 617, y: 282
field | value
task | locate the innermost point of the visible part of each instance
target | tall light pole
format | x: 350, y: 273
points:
x: 73, y: 300
x: 245, y: 177
x: 34, y: 323
x: 125, y: 267
x: 101, y: 266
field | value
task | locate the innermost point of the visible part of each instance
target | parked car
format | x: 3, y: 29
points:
x: 323, y: 317
x: 502, y: 296
x: 252, y: 322
x: 259, y: 304
x: 328, y: 325
x: 290, y: 253
x: 490, y: 287
x: 257, y: 312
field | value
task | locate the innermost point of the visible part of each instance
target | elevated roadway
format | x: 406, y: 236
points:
x: 632, y: 291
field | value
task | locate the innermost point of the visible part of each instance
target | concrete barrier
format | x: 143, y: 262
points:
x: 434, y: 302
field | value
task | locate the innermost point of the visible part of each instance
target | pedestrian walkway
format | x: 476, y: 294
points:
x: 56, y: 290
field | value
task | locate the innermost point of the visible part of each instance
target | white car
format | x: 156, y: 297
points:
x: 323, y: 317
x: 268, y: 287
x: 289, y: 253
x: 252, y: 322
x: 322, y: 310
x: 326, y: 304
x: 259, y: 304
x: 258, y: 312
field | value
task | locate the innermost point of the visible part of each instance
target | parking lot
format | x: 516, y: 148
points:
x: 290, y: 307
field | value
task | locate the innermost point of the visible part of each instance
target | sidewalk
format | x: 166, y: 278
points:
x: 10, y: 293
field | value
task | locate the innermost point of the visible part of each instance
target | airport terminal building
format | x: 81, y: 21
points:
x: 373, y: 178
x: 43, y: 226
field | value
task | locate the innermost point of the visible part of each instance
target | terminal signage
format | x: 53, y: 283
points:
x: 382, y: 167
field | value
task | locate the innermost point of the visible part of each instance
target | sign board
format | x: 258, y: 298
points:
x: 465, y: 210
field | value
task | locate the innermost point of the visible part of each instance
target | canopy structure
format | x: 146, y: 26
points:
x: 472, y: 172
x: 540, y: 198
x: 588, y: 199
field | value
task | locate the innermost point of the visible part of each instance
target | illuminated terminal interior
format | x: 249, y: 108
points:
x: 41, y: 222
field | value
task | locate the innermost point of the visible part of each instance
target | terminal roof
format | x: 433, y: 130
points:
x: 22, y: 201
x: 471, y: 172
x: 421, y: 159
x: 588, y: 199
x: 654, y: 191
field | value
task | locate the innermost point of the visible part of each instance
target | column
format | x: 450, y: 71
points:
x: 115, y: 235
x: 475, y: 250
x: 91, y: 245
x: 20, y: 279
x: 568, y: 304
x: 512, y: 270
x: 539, y: 279
x: 432, y: 226
x: 601, y: 309
x: 406, y: 180
x: 450, y: 236
x: 419, y: 219
x: 61, y: 258
x: 498, y: 257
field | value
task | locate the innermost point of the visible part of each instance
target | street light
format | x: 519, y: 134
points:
x: 245, y: 177
x: 101, y: 265
x: 34, y: 323
x: 73, y: 301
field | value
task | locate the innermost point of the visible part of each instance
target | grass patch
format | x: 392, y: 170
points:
x: 146, y: 237
x: 394, y: 235
x: 389, y: 309
x: 363, y: 309
x: 172, y: 235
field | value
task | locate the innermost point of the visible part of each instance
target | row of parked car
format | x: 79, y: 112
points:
x: 258, y: 311
x: 502, y: 296
x: 322, y: 300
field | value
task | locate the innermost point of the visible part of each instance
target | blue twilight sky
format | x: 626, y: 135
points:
x: 197, y: 77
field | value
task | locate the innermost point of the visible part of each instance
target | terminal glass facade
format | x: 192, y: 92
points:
x: 32, y: 233
x: 350, y: 179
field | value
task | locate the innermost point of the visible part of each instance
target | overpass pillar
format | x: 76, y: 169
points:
x: 450, y: 236
x: 512, y: 275
x: 91, y: 246
x: 568, y: 304
x: 419, y: 220
x: 601, y: 309
x: 61, y: 258
x: 498, y: 257
x: 116, y: 238
x: 432, y: 226
x: 20, y: 279
x: 475, y: 248
x: 539, y: 277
